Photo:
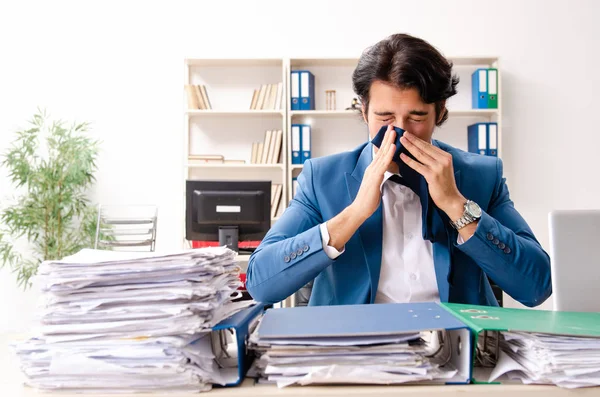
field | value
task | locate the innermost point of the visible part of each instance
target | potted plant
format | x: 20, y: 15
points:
x: 51, y: 165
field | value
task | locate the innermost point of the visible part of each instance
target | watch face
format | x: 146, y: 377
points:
x: 474, y: 209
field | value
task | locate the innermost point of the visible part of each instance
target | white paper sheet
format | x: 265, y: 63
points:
x: 533, y: 358
x: 120, y: 321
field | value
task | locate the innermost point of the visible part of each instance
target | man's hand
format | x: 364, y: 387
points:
x: 347, y: 222
x: 436, y: 167
x: 369, y: 195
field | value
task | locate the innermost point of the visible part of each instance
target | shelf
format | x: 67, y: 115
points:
x: 228, y: 62
x: 312, y: 62
x: 469, y: 61
x: 355, y: 113
x: 219, y: 165
x: 352, y: 62
x: 473, y: 113
x: 212, y: 112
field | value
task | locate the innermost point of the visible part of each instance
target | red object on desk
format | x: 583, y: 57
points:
x: 241, y: 244
x: 243, y: 280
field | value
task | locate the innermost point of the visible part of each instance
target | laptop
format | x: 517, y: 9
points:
x: 575, y: 259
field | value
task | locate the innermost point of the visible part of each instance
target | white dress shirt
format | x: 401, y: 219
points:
x: 407, y: 270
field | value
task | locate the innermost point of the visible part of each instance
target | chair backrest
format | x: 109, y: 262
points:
x: 302, y: 296
x: 126, y: 227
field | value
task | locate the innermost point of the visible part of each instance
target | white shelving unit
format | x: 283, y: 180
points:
x: 230, y: 127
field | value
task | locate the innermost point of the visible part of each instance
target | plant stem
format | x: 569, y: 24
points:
x: 59, y: 222
x: 46, y: 216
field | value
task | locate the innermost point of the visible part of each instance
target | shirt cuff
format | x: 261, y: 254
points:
x: 331, y: 252
x: 460, y: 240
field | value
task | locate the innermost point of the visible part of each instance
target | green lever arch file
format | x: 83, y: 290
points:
x: 484, y: 320
x: 492, y: 100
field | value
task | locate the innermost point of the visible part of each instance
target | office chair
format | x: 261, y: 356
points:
x: 302, y: 296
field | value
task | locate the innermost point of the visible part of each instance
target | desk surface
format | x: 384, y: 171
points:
x: 11, y: 386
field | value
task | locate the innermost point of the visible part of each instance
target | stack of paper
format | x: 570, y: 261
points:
x: 354, y: 345
x: 567, y: 361
x: 124, y: 321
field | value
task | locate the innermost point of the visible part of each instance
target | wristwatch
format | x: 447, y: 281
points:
x: 471, y: 213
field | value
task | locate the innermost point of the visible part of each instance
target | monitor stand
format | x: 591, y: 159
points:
x: 229, y: 236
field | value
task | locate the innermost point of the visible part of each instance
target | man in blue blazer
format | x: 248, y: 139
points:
x: 366, y: 235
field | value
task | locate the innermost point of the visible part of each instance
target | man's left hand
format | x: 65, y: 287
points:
x: 436, y: 167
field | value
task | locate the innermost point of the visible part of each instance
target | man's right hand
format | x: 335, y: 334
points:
x: 345, y: 224
x: 369, y: 195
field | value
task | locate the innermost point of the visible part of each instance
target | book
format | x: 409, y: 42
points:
x: 272, y: 147
x: 276, y: 150
x: 276, y: 199
x: 259, y: 152
x: 272, y: 97
x: 261, y: 97
x: 267, y: 100
x: 254, y: 155
x: 279, y: 101
x: 273, y: 189
x: 200, y: 97
x: 192, y: 98
x: 254, y: 100
x: 206, y: 157
x: 205, y: 97
x: 266, y: 147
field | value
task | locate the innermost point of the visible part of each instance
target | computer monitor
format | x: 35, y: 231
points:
x: 227, y: 211
x: 575, y: 263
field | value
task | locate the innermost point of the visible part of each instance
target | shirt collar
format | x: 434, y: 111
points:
x: 387, y: 175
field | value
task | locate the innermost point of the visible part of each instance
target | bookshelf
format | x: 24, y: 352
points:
x: 334, y: 131
x: 229, y: 128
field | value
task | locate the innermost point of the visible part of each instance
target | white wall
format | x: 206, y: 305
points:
x: 119, y: 65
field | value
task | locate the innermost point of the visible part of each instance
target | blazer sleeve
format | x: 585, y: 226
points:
x: 506, y: 249
x: 291, y: 254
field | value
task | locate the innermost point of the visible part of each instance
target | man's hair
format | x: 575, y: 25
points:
x: 406, y: 62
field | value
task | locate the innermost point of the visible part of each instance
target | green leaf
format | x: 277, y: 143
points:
x: 52, y: 212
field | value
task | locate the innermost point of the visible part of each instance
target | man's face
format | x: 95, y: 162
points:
x: 402, y: 108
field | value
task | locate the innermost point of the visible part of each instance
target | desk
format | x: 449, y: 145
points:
x: 10, y: 386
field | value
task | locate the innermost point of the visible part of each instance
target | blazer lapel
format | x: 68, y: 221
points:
x: 445, y: 238
x: 371, y: 231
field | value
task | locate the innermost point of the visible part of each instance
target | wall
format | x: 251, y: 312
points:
x: 119, y: 65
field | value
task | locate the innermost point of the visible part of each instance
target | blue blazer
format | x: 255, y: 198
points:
x: 503, y: 247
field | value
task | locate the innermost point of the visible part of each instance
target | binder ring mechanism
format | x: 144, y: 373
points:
x: 487, y: 350
x: 220, y: 342
x: 444, y: 350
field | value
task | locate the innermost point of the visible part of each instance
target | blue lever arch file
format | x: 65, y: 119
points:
x: 479, y: 87
x: 229, y: 344
x: 307, y: 90
x: 295, y: 90
x: 381, y: 320
x: 297, y: 144
x: 306, y: 142
x: 478, y: 138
